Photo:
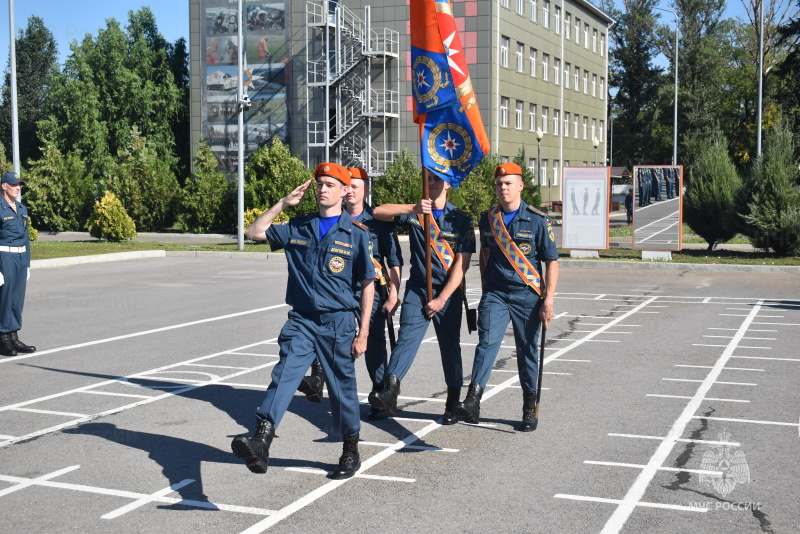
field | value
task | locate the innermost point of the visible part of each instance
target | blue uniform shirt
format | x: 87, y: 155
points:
x: 14, y: 228
x: 457, y: 229
x: 532, y: 232
x: 324, y: 275
x: 383, y: 239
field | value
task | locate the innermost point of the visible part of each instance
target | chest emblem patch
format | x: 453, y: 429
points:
x: 336, y: 264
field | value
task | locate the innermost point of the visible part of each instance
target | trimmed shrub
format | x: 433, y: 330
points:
x: 33, y: 234
x: 110, y: 221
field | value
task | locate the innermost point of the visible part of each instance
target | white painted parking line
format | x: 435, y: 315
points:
x: 50, y: 412
x: 724, y: 368
x: 718, y: 382
x: 731, y: 337
x: 637, y: 490
x: 679, y: 440
x: 254, y: 354
x: 142, y: 333
x: 687, y: 397
x: 4, y: 436
x: 402, y: 397
x: 414, y: 447
x: 639, y: 503
x: 112, y: 394
x: 146, y: 500
x: 591, y: 331
x: 605, y: 340
x: 642, y: 466
x: 26, y: 483
x: 573, y: 361
x: 752, y: 421
x: 780, y: 324
x: 312, y: 471
x: 214, y: 366
x: 766, y: 358
x: 243, y: 385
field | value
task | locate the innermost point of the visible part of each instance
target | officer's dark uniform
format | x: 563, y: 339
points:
x: 15, y: 260
x: 384, y: 244
x: 667, y: 173
x: 506, y: 297
x: 324, y: 275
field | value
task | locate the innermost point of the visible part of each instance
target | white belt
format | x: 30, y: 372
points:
x: 17, y: 250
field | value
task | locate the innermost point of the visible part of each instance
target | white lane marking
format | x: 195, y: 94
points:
x: 112, y: 394
x: 312, y: 471
x: 605, y: 340
x: 753, y: 421
x: 590, y: 331
x: 687, y: 397
x: 132, y: 495
x: 739, y: 309
x: 50, y: 412
x: 724, y: 368
x: 599, y: 297
x: 640, y: 503
x: 771, y: 316
x: 412, y: 419
x: 726, y: 383
x: 679, y: 440
x: 761, y: 338
x: 253, y: 354
x: 733, y: 314
x: 4, y: 436
x: 642, y: 466
x: 766, y: 358
x: 414, y: 447
x: 573, y: 361
x: 244, y: 385
x: 146, y: 500
x: 215, y: 366
x: 706, y: 300
x: 637, y: 490
x: 23, y: 483
x: 706, y: 345
x: 402, y: 397
x: 142, y: 333
x: 781, y: 324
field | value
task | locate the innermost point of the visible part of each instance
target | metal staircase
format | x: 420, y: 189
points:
x: 352, y: 101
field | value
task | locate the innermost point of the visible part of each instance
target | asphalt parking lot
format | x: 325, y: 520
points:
x: 670, y: 405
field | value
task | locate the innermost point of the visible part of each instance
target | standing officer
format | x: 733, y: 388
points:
x: 15, y: 265
x: 452, y: 242
x: 328, y: 255
x: 515, y: 240
x: 667, y: 172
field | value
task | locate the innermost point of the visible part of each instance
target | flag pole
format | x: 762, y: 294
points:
x: 426, y: 194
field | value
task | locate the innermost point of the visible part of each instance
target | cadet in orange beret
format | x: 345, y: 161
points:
x: 328, y: 256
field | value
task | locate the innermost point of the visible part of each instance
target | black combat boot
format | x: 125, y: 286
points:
x: 311, y: 386
x: 255, y: 451
x: 450, y: 418
x: 19, y: 346
x: 6, y: 347
x: 350, y: 461
x: 470, y: 409
x: 386, y: 400
x: 374, y: 413
x: 529, y: 419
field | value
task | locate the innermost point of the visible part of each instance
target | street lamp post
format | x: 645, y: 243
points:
x: 13, y: 81
x: 675, y: 118
x: 539, y: 135
x: 595, y: 144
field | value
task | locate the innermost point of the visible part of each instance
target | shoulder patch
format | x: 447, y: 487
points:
x: 537, y: 212
x: 360, y: 224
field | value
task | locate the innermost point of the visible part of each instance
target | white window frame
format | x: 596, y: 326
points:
x: 532, y: 116
x: 566, y: 124
x: 520, y: 7
x: 504, y: 3
x: 520, y: 51
x: 504, y: 111
x: 557, y: 20
x: 594, y: 40
x: 602, y: 88
x: 505, y: 42
x: 577, y: 30
x: 518, y: 115
x: 585, y: 81
x: 533, y: 14
x: 575, y: 119
x: 567, y: 69
x: 567, y: 23
x: 585, y: 126
x: 602, y: 45
x: 594, y: 128
x: 556, y: 121
x: 545, y: 66
x: 532, y: 59
x: 556, y: 71
x: 602, y: 132
x: 545, y: 118
x: 532, y: 165
x: 546, y: 13
x: 577, y: 78
x: 594, y: 85
x: 555, y: 171
x: 543, y: 172
x: 585, y: 36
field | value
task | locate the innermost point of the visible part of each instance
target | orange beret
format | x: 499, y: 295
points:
x: 334, y: 170
x: 506, y: 169
x: 358, y: 172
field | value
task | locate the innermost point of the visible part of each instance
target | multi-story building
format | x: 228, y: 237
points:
x: 536, y: 66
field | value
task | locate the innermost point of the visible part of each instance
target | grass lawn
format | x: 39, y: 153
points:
x: 697, y: 256
x: 688, y: 236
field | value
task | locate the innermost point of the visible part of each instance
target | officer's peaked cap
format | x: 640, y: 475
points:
x: 12, y: 178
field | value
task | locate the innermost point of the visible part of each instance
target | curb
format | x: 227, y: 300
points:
x: 668, y: 266
x: 97, y: 258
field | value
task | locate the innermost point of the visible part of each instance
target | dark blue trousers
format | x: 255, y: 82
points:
x: 375, y: 357
x: 12, y: 292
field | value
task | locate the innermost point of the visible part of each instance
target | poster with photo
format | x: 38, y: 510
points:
x: 586, y: 208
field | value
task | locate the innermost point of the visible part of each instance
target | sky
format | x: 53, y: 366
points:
x: 72, y: 19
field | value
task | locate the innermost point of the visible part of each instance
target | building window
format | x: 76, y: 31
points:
x: 546, y: 13
x: 594, y: 85
x: 518, y: 116
x: 585, y: 123
x: 504, y: 44
x: 556, y: 121
x: 594, y: 40
x: 602, y: 88
x: 577, y: 74
x: 594, y: 126
x: 567, y: 22
x: 545, y: 66
x: 532, y: 116
x: 586, y: 35
x: 567, y: 68
x: 520, y: 9
x: 585, y: 81
x: 556, y: 70
x: 504, y: 111
x: 602, y: 132
x: 577, y: 30
x: 543, y: 173
x: 504, y: 3
x: 545, y: 113
x: 520, y: 51
x: 602, y: 45
x: 532, y: 165
x: 533, y: 62
x: 575, y: 125
x: 557, y: 19
x: 504, y: 159
x: 555, y: 171
x: 566, y: 124
x: 533, y: 10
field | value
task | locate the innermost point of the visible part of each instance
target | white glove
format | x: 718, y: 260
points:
x: 29, y: 274
x: 2, y: 280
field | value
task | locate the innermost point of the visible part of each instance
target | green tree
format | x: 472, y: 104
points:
x: 401, y: 183
x: 788, y: 70
x: 37, y: 63
x: 145, y: 185
x: 178, y: 59
x: 477, y: 192
x: 59, y: 192
x: 271, y: 174
x: 769, y: 200
x: 532, y: 194
x: 709, y: 201
x: 208, y: 196
x: 5, y: 165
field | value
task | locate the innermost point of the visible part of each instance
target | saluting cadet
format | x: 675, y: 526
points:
x: 452, y: 241
x: 328, y: 255
x: 515, y: 240
x: 15, y: 265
